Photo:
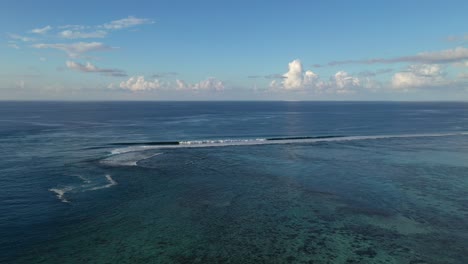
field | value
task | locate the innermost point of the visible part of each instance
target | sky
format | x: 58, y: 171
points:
x: 234, y: 50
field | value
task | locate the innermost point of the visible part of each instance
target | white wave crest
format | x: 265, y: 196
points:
x: 223, y: 141
x: 249, y: 142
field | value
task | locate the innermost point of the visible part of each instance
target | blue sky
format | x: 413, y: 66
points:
x: 234, y: 50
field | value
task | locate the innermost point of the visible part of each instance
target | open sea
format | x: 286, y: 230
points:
x: 233, y: 182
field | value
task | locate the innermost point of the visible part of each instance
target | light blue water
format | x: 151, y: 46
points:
x: 233, y: 182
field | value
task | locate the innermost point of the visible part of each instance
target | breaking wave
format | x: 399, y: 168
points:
x: 142, y: 146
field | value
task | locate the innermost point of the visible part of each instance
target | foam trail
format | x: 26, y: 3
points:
x: 111, y: 183
x: 267, y: 141
x: 60, y: 193
x: 127, y: 158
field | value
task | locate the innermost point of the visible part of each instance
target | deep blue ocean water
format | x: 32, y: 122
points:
x: 233, y: 182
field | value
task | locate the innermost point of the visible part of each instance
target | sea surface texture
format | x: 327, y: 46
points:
x: 233, y: 182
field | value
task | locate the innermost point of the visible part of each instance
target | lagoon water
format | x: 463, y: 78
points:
x: 233, y: 182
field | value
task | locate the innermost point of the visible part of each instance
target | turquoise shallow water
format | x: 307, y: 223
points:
x: 76, y: 191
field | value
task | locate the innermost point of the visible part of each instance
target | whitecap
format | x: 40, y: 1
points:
x: 265, y: 141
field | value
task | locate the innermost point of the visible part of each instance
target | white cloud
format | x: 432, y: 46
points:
x: 19, y: 37
x: 418, y: 76
x: 181, y: 85
x: 70, y: 34
x: 75, y: 49
x: 297, y: 79
x: 310, y: 78
x: 73, y: 27
x: 126, y: 23
x: 210, y: 84
x: 449, y: 55
x: 138, y: 83
x: 275, y: 84
x: 294, y: 76
x: 92, y: 68
x: 343, y: 81
x: 430, y: 57
x: 41, y: 30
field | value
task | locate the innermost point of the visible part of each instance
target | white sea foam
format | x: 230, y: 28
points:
x: 128, y: 158
x: 129, y: 149
x: 87, y: 186
x: 110, y: 184
x: 222, y: 141
x: 264, y: 141
x: 60, y: 193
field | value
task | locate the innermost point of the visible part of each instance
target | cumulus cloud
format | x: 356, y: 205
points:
x: 296, y: 79
x: 423, y: 75
x: 75, y: 49
x: 70, y: 34
x: 210, y: 84
x: 432, y: 57
x: 41, y: 30
x: 310, y: 79
x: 88, y: 67
x: 294, y: 76
x: 181, y: 85
x: 344, y: 82
x: 126, y: 23
x: 138, y: 83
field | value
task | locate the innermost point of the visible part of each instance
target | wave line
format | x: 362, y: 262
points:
x: 136, y: 147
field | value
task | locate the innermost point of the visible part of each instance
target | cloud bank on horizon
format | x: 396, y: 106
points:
x: 127, y: 58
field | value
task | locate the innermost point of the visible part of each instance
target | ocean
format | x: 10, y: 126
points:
x: 234, y: 182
